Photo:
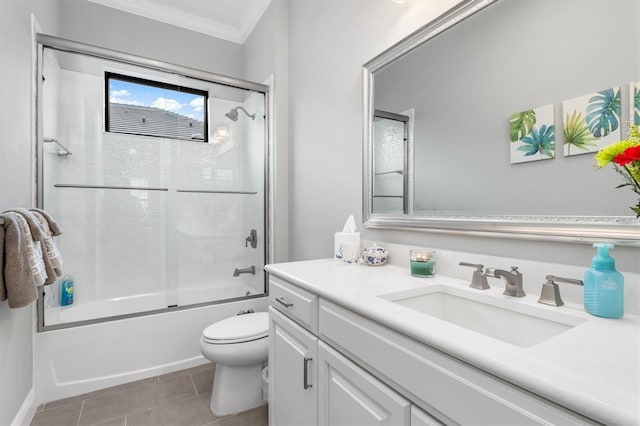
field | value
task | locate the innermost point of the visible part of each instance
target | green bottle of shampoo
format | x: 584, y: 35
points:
x: 603, y: 285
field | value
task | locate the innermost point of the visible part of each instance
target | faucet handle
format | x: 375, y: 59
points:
x: 478, y: 266
x: 479, y: 280
x: 550, y: 294
x: 514, y: 269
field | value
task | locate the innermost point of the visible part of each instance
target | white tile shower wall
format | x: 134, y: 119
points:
x: 533, y: 272
x: 115, y: 241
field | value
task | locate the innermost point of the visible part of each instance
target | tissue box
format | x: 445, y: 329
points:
x: 341, y: 237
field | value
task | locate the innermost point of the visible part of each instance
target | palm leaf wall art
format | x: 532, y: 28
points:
x: 576, y: 133
x: 532, y: 134
x: 591, y: 122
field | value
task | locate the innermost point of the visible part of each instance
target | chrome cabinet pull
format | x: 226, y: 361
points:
x: 283, y: 302
x: 305, y: 379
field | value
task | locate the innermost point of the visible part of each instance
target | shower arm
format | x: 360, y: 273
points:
x: 251, y: 116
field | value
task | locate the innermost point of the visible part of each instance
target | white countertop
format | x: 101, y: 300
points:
x: 593, y: 368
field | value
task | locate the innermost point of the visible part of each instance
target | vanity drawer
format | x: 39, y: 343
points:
x: 436, y: 382
x: 295, y: 302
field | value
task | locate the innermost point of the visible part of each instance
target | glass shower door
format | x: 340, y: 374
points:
x: 219, y: 199
x: 157, y: 196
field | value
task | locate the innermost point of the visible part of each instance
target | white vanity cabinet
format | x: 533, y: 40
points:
x: 350, y: 396
x: 293, y: 354
x: 311, y: 383
x: 332, y: 367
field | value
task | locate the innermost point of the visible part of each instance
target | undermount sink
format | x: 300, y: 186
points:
x: 507, y: 320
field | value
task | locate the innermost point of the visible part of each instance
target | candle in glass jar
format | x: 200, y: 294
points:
x: 422, y: 263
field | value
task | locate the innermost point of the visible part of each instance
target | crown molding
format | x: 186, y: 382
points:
x: 176, y: 17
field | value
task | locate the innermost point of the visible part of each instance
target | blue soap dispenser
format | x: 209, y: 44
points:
x: 603, y: 285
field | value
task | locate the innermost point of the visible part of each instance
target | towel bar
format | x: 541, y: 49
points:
x: 139, y: 188
x: 204, y: 191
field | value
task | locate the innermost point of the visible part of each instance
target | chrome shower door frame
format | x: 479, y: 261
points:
x: 65, y: 45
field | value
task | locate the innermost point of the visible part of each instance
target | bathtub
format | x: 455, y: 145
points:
x: 76, y: 360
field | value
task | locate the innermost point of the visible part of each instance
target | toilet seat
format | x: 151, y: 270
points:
x: 238, y: 329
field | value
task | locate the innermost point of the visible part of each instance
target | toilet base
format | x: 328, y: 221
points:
x: 236, y: 389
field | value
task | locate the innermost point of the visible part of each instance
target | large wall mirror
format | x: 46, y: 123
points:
x: 458, y: 82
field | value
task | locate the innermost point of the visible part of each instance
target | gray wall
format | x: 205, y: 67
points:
x: 329, y: 41
x: 17, y: 325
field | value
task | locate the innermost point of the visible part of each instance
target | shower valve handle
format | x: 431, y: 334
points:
x: 252, y: 239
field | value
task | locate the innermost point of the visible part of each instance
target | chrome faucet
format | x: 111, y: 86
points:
x: 513, y: 279
x: 249, y: 270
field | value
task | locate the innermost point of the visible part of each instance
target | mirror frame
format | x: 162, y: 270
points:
x: 621, y: 230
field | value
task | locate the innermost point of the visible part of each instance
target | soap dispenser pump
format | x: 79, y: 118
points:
x: 603, y: 285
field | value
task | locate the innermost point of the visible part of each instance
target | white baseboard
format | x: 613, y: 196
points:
x: 27, y: 410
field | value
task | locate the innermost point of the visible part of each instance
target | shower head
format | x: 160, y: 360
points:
x: 233, y: 114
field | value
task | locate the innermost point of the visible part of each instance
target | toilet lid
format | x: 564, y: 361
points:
x: 238, y: 328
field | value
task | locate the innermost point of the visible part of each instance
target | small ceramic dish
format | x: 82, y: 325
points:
x: 375, y: 256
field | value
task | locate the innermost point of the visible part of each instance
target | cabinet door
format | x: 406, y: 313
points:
x: 292, y: 362
x: 421, y: 418
x: 349, y: 396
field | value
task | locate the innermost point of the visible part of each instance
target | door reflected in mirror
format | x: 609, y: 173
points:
x: 391, y: 158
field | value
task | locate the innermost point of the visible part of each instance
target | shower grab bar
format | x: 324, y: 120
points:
x: 138, y: 188
x: 204, y: 191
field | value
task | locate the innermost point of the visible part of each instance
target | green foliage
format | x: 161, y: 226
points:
x: 542, y: 141
x: 603, y: 112
x: 520, y: 124
x: 623, y: 157
x: 576, y: 132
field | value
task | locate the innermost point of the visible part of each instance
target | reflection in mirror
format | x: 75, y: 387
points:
x: 390, y: 159
x: 464, y: 75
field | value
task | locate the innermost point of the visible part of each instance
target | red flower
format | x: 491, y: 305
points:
x: 627, y: 156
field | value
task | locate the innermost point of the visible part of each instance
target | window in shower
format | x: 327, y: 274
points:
x: 149, y: 224
x: 138, y: 106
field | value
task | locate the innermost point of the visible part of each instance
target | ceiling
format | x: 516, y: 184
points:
x: 231, y: 20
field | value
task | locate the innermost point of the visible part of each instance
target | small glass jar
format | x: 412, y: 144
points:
x: 422, y: 262
x: 350, y: 252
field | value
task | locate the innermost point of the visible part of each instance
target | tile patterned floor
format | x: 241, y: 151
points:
x: 175, y: 399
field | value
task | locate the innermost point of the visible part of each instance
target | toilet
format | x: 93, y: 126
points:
x: 239, y: 346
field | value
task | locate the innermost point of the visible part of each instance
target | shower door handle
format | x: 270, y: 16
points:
x: 305, y: 376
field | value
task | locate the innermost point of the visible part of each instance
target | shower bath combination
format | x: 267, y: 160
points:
x: 187, y: 202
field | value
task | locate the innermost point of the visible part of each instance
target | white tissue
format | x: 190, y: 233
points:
x: 350, y: 225
x: 348, y: 235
